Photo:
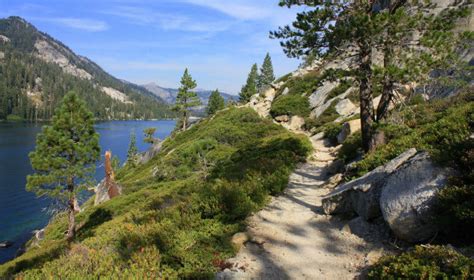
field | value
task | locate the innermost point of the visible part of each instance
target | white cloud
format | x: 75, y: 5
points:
x: 166, y: 21
x: 266, y: 10
x: 76, y: 23
x: 82, y: 24
x: 237, y: 9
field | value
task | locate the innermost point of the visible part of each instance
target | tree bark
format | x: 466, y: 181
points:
x: 387, y: 88
x: 71, y: 231
x: 365, y: 97
x: 185, y: 120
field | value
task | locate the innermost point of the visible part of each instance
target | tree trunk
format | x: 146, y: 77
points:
x: 71, y: 231
x: 185, y: 120
x: 365, y: 96
x: 387, y: 90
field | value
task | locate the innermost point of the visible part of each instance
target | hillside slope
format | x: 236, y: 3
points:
x: 178, y: 211
x: 36, y: 70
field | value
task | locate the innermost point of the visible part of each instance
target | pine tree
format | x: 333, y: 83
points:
x: 266, y: 76
x: 65, y: 156
x: 132, y: 150
x: 186, y: 98
x: 250, y: 88
x: 149, y: 135
x: 216, y: 103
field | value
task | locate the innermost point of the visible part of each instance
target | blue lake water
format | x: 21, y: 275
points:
x: 22, y: 212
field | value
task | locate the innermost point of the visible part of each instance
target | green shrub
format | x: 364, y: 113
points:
x: 351, y: 148
x: 290, y: 104
x: 284, y: 78
x: 454, y: 208
x: 14, y: 118
x: 304, y: 85
x: 433, y: 262
x: 331, y: 131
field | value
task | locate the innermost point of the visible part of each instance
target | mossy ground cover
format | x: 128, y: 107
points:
x: 178, y: 211
x: 429, y: 262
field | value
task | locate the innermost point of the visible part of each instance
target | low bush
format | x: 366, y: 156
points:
x: 433, y: 262
x: 351, y: 148
x: 14, y: 118
x: 331, y: 131
x: 304, y: 85
x: 291, y: 105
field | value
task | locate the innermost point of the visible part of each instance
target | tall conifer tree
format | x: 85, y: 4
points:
x: 216, y: 103
x: 186, y: 98
x: 132, y: 152
x: 65, y: 156
x: 266, y: 76
x: 250, y: 88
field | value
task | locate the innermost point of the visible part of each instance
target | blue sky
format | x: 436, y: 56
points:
x: 153, y: 41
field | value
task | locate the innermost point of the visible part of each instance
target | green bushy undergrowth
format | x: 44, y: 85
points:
x: 433, y: 262
x: 178, y: 211
x: 291, y: 105
x: 304, y: 85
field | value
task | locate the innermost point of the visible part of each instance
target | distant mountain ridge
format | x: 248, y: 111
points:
x: 169, y: 94
x: 44, y: 69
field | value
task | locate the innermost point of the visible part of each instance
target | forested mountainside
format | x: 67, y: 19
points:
x: 169, y: 94
x: 36, y: 71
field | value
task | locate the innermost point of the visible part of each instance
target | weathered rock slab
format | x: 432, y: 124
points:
x: 348, y: 129
x: 362, y: 194
x: 283, y: 118
x: 345, y: 107
x: 408, y: 195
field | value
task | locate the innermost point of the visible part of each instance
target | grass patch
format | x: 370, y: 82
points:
x: 433, y: 262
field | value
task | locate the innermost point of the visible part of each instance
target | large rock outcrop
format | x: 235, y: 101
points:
x: 348, y: 128
x: 407, y: 198
x: 150, y: 153
x: 402, y: 192
x: 362, y: 194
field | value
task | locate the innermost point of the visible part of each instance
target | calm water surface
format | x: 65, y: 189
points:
x: 20, y: 211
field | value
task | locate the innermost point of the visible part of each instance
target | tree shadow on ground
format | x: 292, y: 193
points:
x: 98, y: 217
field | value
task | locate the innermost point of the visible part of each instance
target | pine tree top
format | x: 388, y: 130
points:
x: 66, y: 151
